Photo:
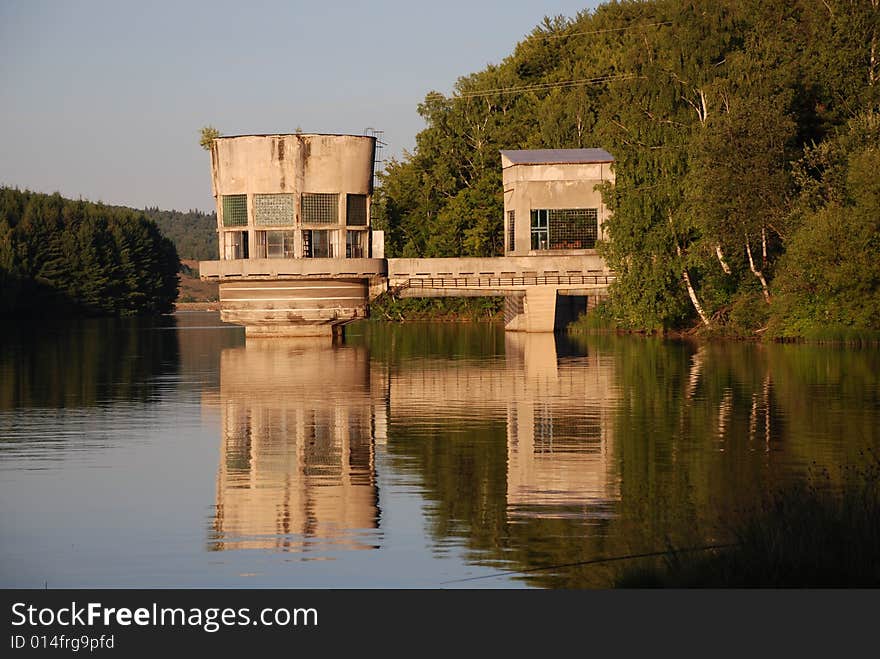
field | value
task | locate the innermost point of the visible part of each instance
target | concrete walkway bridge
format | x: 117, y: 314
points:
x: 314, y: 297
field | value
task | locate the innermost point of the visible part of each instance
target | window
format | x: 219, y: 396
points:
x: 275, y: 244
x: 511, y: 231
x: 356, y: 210
x: 235, y: 244
x: 565, y: 228
x: 574, y: 228
x: 540, y: 234
x: 235, y: 210
x: 317, y: 244
x: 354, y: 244
x: 320, y: 208
x: 273, y: 210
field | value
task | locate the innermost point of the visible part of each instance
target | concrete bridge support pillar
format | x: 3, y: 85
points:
x: 535, y: 311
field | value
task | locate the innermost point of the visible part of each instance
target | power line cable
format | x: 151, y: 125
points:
x: 603, y: 31
x: 542, y: 86
x: 594, y: 561
x: 566, y: 83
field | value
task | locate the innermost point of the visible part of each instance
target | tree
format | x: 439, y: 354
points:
x: 207, y: 135
x: 830, y: 274
x: 63, y: 256
x: 704, y: 107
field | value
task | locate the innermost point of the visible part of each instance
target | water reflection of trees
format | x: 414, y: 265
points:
x: 531, y: 467
x: 297, y: 463
x: 519, y: 459
x: 82, y: 363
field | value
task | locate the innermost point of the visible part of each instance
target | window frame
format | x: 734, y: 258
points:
x: 537, y: 230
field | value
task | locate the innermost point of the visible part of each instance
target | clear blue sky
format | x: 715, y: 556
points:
x: 104, y: 99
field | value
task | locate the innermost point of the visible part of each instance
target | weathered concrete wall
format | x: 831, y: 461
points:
x: 292, y: 163
x: 300, y: 307
x: 283, y: 268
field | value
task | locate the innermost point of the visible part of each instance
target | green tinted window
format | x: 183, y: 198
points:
x: 235, y: 210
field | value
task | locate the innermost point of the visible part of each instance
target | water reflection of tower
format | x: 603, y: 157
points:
x: 558, y: 407
x: 297, y: 462
x: 559, y: 439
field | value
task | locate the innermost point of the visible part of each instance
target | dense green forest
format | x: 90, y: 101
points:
x: 193, y: 233
x: 747, y: 144
x: 77, y: 257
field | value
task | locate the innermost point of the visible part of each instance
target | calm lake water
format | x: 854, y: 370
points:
x: 171, y: 453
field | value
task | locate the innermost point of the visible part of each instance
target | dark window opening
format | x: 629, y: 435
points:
x: 356, y: 210
x: 540, y: 234
x: 316, y: 244
x: 236, y: 243
x: 354, y: 244
x: 511, y: 231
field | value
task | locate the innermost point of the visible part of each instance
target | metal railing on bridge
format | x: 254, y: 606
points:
x: 502, y: 282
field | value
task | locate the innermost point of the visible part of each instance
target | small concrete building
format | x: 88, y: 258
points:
x: 295, y: 243
x: 293, y: 196
x: 551, y: 202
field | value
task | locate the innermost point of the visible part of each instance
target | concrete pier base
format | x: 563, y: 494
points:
x: 293, y: 330
x: 537, y: 312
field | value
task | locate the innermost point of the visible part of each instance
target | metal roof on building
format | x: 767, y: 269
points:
x: 557, y: 156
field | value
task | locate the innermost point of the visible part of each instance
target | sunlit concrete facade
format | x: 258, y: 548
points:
x: 316, y: 188
x: 297, y: 257
x: 552, y: 200
x: 293, y: 208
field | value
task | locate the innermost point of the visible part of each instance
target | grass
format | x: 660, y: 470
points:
x: 442, y: 309
x: 814, y: 534
x: 597, y: 320
x: 838, y: 335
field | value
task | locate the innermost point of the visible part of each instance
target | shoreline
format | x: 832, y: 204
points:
x: 447, y: 318
x: 196, y: 306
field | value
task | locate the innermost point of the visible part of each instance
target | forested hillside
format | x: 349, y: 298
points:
x: 747, y: 144
x: 71, y: 257
x: 193, y: 233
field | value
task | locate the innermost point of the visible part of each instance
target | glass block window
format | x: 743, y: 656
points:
x: 273, y: 210
x: 565, y: 228
x: 235, y: 210
x: 356, y: 210
x: 320, y: 208
x: 574, y: 228
x: 511, y: 231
